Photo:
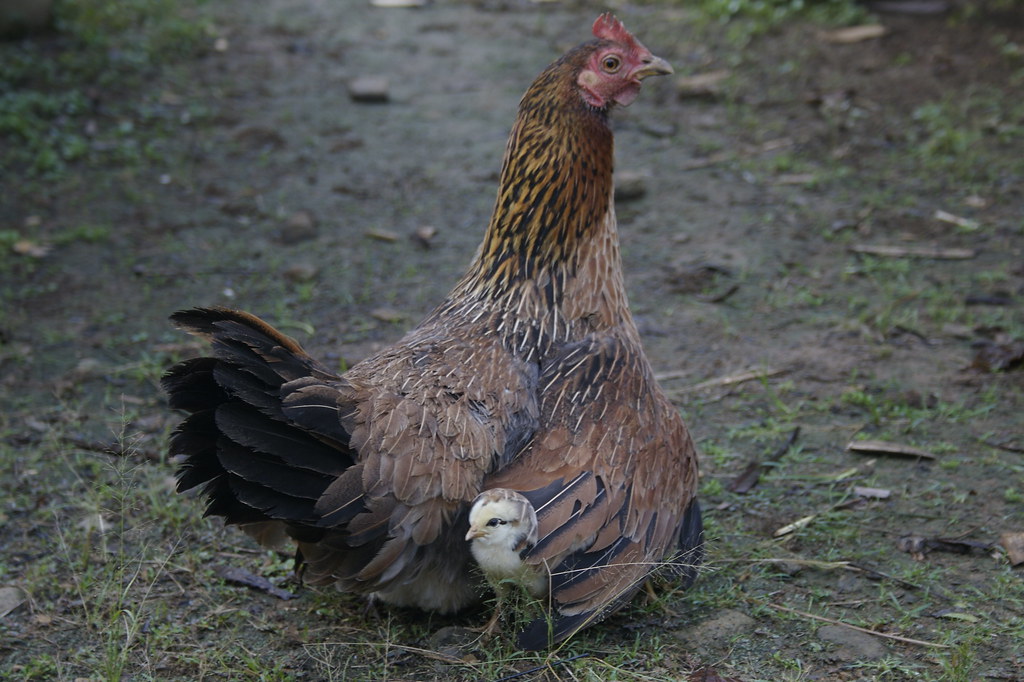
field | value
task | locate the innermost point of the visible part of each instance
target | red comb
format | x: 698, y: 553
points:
x: 608, y: 27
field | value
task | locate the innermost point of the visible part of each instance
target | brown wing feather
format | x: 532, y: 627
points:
x: 431, y: 419
x: 610, y: 473
x: 428, y: 420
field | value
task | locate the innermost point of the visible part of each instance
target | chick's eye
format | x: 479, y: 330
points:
x: 496, y: 522
x: 611, y: 63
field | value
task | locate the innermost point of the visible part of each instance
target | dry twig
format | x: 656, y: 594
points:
x: 833, y: 621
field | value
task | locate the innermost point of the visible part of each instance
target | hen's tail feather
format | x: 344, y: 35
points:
x: 281, y: 441
x: 542, y: 633
x: 190, y: 385
x: 690, y: 554
x: 255, y: 463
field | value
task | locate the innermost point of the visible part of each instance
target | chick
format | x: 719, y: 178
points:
x: 502, y: 526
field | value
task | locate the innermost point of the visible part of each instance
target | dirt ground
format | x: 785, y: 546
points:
x: 751, y: 246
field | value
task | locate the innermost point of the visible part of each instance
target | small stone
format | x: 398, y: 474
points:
x: 847, y: 582
x: 299, y: 227
x: 10, y: 599
x: 790, y: 568
x: 852, y: 645
x: 259, y: 138
x: 453, y: 641
x: 87, y: 368
x: 424, y: 236
x: 630, y: 185
x: 719, y: 629
x: 453, y: 635
x: 301, y: 273
x: 1013, y: 543
x: 369, y: 89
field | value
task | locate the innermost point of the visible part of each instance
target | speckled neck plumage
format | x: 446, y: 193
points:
x: 551, y: 250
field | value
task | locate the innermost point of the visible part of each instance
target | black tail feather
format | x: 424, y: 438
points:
x: 690, y: 555
x: 254, y: 463
x: 190, y: 385
x: 543, y: 633
x: 290, y: 445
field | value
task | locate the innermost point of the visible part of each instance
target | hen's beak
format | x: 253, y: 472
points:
x: 475, y: 533
x: 656, y: 67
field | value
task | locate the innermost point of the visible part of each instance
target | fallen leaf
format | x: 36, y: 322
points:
x: 1010, y: 443
x: 259, y: 137
x: 841, y: 475
x: 796, y: 179
x: 995, y: 298
x: 935, y: 253
x: 10, y: 599
x: 909, y: 6
x: 999, y: 357
x: 94, y: 521
x: 963, y: 223
x: 855, y: 34
x: 27, y: 247
x: 796, y: 525
x: 694, y: 278
x: 879, y: 447
x: 1013, y: 543
x: 710, y: 675
x: 240, y: 576
x: 876, y: 493
x: 956, y: 615
x: 747, y: 479
x: 387, y: 315
x: 382, y: 235
x: 917, y: 546
x: 702, y: 84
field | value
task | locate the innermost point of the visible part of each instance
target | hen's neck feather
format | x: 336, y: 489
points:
x: 551, y: 250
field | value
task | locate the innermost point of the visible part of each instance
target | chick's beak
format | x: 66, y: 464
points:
x: 475, y: 533
x: 656, y: 67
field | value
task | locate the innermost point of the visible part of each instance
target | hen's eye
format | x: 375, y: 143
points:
x: 611, y: 63
x: 496, y: 522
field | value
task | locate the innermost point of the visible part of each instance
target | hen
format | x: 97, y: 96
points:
x: 529, y: 377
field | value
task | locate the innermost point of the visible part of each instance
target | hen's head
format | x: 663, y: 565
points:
x: 616, y: 66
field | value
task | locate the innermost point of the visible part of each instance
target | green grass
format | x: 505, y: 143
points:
x: 758, y: 16
x: 961, y: 137
x: 61, y: 97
